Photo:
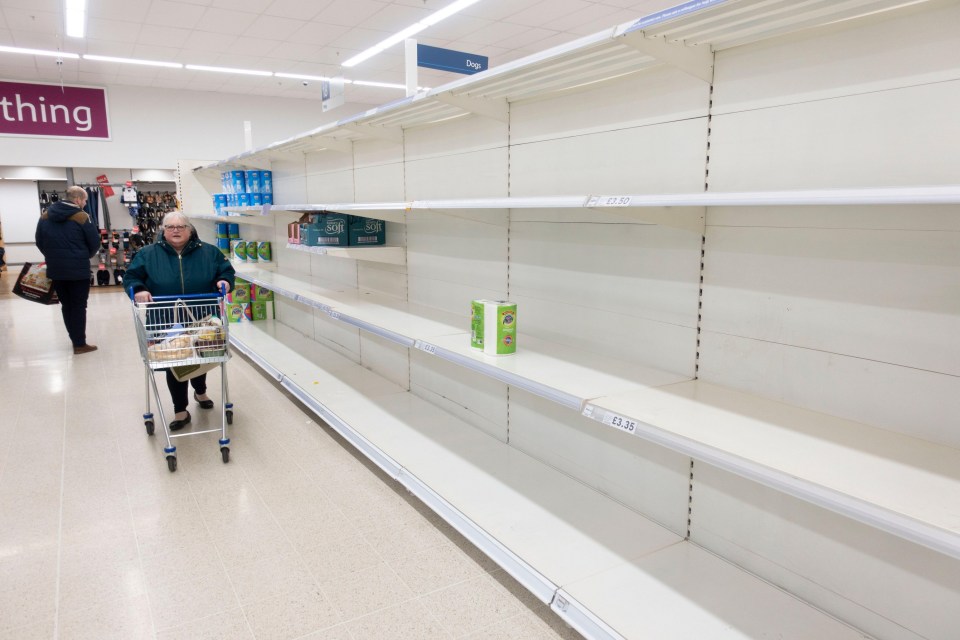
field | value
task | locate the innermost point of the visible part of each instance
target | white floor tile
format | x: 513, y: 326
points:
x: 296, y: 538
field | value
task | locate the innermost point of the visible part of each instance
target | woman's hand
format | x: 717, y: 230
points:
x: 143, y: 296
x: 223, y: 286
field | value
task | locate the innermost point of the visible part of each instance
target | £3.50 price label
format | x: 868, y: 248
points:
x: 609, y: 201
x: 619, y: 422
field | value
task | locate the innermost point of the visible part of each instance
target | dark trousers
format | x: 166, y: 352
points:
x: 73, y: 296
x: 178, y: 390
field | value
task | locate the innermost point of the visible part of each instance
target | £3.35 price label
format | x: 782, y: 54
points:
x: 426, y: 346
x: 619, y: 422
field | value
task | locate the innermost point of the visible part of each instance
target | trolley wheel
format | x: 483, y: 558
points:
x: 225, y: 453
x: 149, y: 425
x: 172, y: 463
x: 229, y: 418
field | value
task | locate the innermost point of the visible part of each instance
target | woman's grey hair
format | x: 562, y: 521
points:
x: 173, y: 216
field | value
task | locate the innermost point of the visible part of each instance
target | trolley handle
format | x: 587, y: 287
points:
x: 185, y: 296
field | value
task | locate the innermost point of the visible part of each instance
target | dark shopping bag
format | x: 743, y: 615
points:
x: 34, y: 285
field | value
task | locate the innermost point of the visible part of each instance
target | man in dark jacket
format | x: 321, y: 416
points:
x: 68, y: 239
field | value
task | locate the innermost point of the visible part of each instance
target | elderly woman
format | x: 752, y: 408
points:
x: 177, y: 264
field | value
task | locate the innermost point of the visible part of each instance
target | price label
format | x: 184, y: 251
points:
x: 427, y: 347
x: 265, y: 211
x: 619, y: 422
x: 609, y: 201
x: 334, y: 314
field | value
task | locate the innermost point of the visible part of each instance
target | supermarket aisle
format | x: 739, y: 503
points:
x: 294, y: 538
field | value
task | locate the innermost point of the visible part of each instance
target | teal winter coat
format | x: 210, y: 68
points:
x: 158, y: 269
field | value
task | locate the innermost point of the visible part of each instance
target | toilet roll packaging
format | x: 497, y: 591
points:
x: 493, y: 327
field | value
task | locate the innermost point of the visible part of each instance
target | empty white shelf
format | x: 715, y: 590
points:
x: 900, y: 484
x: 261, y: 221
x: 389, y: 211
x: 566, y: 542
x: 385, y: 254
x: 561, y: 373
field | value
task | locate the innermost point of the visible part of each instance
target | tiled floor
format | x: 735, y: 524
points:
x: 295, y: 538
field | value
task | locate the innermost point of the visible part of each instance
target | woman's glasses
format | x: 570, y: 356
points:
x: 174, y: 227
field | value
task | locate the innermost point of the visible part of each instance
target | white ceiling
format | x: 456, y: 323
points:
x: 289, y: 36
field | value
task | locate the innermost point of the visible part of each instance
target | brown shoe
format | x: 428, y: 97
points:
x: 87, y: 348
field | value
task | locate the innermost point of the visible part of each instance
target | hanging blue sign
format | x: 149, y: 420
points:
x: 450, y: 60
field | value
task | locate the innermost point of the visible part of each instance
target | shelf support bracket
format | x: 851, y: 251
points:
x: 695, y: 61
x: 391, y: 134
x: 333, y: 144
x: 494, y: 109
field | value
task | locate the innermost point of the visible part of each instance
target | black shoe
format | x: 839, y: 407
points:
x: 176, y: 425
x: 204, y: 404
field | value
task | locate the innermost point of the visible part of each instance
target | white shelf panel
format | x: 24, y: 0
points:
x: 389, y: 211
x: 569, y: 376
x: 695, y: 594
x: 555, y: 371
x: 260, y: 221
x: 545, y: 528
x: 385, y: 254
x: 903, y: 485
x: 395, y: 211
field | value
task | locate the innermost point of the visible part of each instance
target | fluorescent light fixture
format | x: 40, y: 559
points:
x: 413, y: 29
x: 301, y: 76
x: 246, y: 72
x: 385, y: 85
x: 149, y: 63
x: 76, y: 18
x: 38, y: 52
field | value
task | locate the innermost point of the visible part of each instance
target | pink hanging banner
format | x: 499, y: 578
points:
x: 30, y: 109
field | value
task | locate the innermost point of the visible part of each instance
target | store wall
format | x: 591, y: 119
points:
x: 153, y: 128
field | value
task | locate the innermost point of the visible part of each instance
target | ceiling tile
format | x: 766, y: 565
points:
x: 132, y: 10
x: 45, y: 21
x: 574, y: 19
x: 297, y: 9
x: 244, y: 62
x: 456, y: 27
x: 225, y: 21
x: 251, y: 6
x: 207, y: 41
x: 496, y: 32
x: 165, y: 13
x: 155, y: 52
x: 273, y: 28
x: 51, y: 6
x: 6, y: 37
x: 495, y: 9
x: 296, y: 51
x: 252, y: 46
x: 322, y: 34
x: 110, y: 48
x: 116, y: 30
x: 359, y: 39
x: 350, y: 12
x: 533, y: 16
x: 207, y: 58
x: 164, y: 36
x: 41, y: 40
x: 392, y: 15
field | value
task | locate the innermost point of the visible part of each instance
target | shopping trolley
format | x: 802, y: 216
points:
x: 187, y: 334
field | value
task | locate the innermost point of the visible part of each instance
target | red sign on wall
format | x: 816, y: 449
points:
x: 29, y: 109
